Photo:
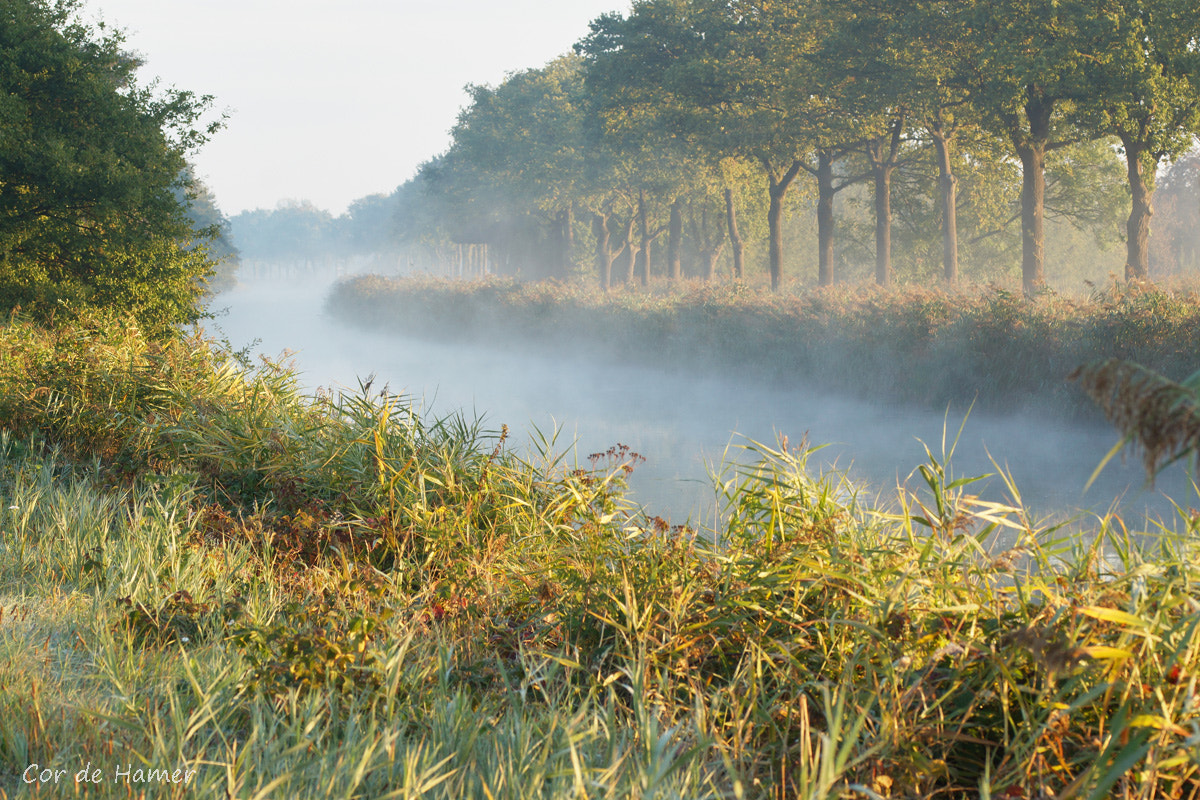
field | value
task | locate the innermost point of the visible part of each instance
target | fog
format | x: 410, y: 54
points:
x: 684, y: 424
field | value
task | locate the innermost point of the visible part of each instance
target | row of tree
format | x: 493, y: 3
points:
x: 668, y: 123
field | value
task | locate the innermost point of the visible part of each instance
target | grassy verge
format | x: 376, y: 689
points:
x: 203, y: 570
x: 920, y: 346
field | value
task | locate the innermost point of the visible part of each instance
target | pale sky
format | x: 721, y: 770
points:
x: 331, y: 100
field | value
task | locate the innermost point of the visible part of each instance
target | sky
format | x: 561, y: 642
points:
x: 332, y: 100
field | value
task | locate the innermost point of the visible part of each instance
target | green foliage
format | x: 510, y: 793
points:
x: 93, y: 168
x: 293, y: 230
x: 676, y: 102
x: 325, y: 643
x: 207, y: 219
x: 1146, y: 87
x: 178, y: 619
x: 1175, y: 245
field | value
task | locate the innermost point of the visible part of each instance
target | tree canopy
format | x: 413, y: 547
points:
x: 94, y: 185
x: 999, y: 119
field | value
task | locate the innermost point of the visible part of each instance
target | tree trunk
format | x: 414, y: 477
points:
x: 775, y: 235
x: 604, y: 254
x: 712, y: 255
x: 642, y: 267
x: 627, y: 258
x: 710, y: 246
x: 882, y: 153
x: 825, y: 193
x: 708, y: 251
x: 948, y: 184
x: 777, y: 190
x: 627, y: 251
x: 709, y: 257
x: 1033, y: 217
x: 883, y: 223
x: 675, y: 241
x: 735, y: 237
x: 1137, y: 259
x: 1032, y: 151
x: 567, y: 240
x: 642, y: 262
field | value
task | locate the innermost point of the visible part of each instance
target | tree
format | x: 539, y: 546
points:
x: 366, y: 227
x: 625, y: 120
x: 93, y: 173
x: 1025, y: 75
x: 1175, y: 242
x: 515, y: 167
x: 874, y: 93
x: 651, y: 119
x: 908, y: 58
x: 782, y: 106
x: 294, y: 229
x: 1146, y: 92
x: 753, y: 94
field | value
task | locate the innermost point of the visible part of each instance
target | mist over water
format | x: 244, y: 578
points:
x: 684, y: 423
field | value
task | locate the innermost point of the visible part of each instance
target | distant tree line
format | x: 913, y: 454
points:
x: 675, y: 133
x: 300, y: 231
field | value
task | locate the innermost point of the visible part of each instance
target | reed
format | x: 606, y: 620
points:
x: 296, y: 596
x: 1159, y: 415
x: 985, y: 345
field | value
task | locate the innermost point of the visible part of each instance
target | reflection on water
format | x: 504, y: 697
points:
x: 683, y: 424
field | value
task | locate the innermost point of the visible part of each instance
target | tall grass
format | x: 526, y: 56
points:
x: 201, y: 568
x: 989, y: 346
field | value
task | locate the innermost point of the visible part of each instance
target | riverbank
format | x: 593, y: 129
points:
x: 205, y: 569
x: 684, y: 422
x: 920, y: 347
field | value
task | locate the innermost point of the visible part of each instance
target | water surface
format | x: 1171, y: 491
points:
x: 684, y: 424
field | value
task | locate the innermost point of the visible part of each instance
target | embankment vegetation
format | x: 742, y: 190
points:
x: 293, y: 595
x: 918, y: 346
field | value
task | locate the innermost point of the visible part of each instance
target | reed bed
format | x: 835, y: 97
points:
x: 930, y: 347
x: 203, y: 569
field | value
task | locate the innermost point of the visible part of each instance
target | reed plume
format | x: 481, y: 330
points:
x: 1154, y: 413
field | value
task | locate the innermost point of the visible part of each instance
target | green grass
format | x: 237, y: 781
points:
x: 986, y: 346
x: 202, y: 568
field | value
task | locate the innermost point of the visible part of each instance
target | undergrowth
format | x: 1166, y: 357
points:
x: 203, y: 569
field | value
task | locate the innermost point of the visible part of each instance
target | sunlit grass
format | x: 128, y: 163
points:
x: 202, y: 568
